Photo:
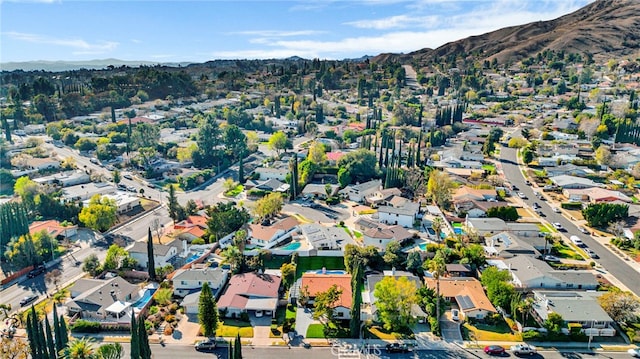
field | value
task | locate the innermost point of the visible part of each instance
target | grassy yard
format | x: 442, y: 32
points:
x: 376, y: 332
x: 275, y: 262
x: 489, y: 167
x: 499, y: 332
x: 234, y: 191
x: 281, y: 315
x: 367, y: 211
x: 564, y: 251
x: 231, y: 328
x: 357, y: 234
x: 316, y: 330
x: 314, y: 263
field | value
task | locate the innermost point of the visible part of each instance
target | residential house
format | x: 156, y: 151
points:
x: 383, y: 196
x: 508, y: 245
x: 475, y: 209
x: 313, y: 190
x: 268, y: 234
x: 595, y: 195
x: 191, y: 228
x: 401, y: 211
x: 316, y: 283
x: 369, y: 299
x: 186, y: 281
x: 322, y: 237
x: 531, y: 273
x: 358, y: 192
x: 41, y: 164
x: 124, y: 202
x: 568, y: 169
x: 266, y: 173
x: 65, y: 179
x: 490, y: 226
x: 453, y: 162
x: 272, y: 185
x: 162, y: 253
x: 103, y: 299
x: 574, y: 307
x: 54, y: 228
x: 86, y: 191
x: 467, y: 193
x: 250, y: 292
x: 467, y: 293
x: 572, y: 182
x: 458, y: 270
x: 381, y: 235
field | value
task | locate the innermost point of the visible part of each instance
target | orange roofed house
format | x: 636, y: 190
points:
x: 267, y: 234
x: 468, y: 293
x: 53, y: 228
x: 321, y: 282
x: 250, y: 292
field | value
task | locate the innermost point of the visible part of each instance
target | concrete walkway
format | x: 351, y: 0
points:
x: 304, y: 318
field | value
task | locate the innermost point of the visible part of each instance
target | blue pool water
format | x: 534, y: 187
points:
x: 458, y: 230
x: 327, y: 271
x: 422, y: 246
x: 146, y: 297
x: 193, y: 257
x: 292, y: 246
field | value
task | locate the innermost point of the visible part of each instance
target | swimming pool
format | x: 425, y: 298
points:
x: 146, y: 297
x: 422, y: 246
x: 458, y: 230
x: 193, y: 257
x: 319, y: 271
x: 292, y: 246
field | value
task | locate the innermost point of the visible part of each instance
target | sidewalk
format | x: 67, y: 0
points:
x: 577, y: 347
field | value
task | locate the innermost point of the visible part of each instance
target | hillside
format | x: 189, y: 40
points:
x: 604, y: 28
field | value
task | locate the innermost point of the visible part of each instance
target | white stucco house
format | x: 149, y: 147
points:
x: 162, y: 253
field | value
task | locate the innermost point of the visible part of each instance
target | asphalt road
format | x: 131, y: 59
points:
x: 609, y: 261
x: 187, y: 351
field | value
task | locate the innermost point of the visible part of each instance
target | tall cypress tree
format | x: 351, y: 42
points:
x: 151, y: 264
x: 51, y: 348
x: 356, y: 288
x: 64, y: 333
x: 241, y: 170
x: 135, y: 342
x: 113, y: 114
x: 33, y: 344
x: 56, y: 329
x: 237, y: 348
x: 230, y: 350
x: 143, y: 339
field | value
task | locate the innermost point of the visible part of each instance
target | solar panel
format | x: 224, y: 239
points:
x: 464, y: 301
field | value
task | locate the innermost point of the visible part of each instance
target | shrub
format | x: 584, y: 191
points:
x: 173, y: 308
x: 170, y: 318
x: 85, y: 326
x: 153, y: 310
x: 168, y: 330
x: 244, y: 316
x: 532, y: 335
x: 576, y: 206
x: 333, y: 200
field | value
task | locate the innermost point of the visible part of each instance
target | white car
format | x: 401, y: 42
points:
x: 557, y: 226
x: 591, y: 253
x: 634, y: 353
x: 259, y: 313
x: 556, y: 209
x: 455, y: 315
x: 522, y: 195
x: 522, y: 349
x: 550, y: 258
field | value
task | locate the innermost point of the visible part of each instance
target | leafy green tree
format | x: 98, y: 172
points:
x: 235, y: 142
x: 554, y: 323
x: 91, y: 265
x: 317, y: 153
x: 394, y: 299
x: 278, y: 142
x: 116, y: 176
x: 31, y: 249
x: 324, y: 304
x: 27, y: 190
x: 117, y: 257
x: 393, y: 255
x: 360, y: 165
x: 207, y: 311
x: 414, y: 261
x: 111, y: 351
x: 437, y: 267
x: 269, y: 205
x: 439, y: 188
x: 527, y: 155
x: 225, y: 218
x: 208, y: 140
x: 288, y: 271
x: 234, y: 257
x: 145, y: 135
x: 601, y: 214
x: 13, y: 222
x: 623, y: 307
x: 80, y: 349
x: 506, y: 213
x: 176, y: 212
x: 100, y: 214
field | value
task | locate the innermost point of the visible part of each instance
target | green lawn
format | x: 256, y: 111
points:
x: 489, y: 167
x: 564, y: 251
x: 275, y: 262
x: 314, y: 263
x: 357, y: 234
x: 499, y: 332
x: 234, y: 191
x: 231, y: 328
x: 376, y: 332
x: 316, y: 330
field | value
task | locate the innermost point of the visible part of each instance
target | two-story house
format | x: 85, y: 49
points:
x: 268, y: 234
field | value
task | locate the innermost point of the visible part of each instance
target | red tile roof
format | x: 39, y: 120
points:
x: 318, y: 283
x: 334, y: 156
x: 53, y: 227
x: 246, y: 285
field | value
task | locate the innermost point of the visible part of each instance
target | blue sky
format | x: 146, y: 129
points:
x: 198, y: 31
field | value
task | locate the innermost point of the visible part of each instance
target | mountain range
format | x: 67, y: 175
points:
x: 604, y: 29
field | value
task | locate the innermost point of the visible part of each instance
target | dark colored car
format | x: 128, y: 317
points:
x: 206, y: 345
x: 494, y: 350
x: 28, y: 299
x: 397, y: 348
x: 36, y: 271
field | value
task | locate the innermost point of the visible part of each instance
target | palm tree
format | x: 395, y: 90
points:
x: 80, y: 349
x: 437, y: 225
x: 437, y: 267
x: 232, y: 256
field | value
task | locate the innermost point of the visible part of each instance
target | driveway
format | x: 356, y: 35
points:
x: 450, y: 331
x: 304, y: 318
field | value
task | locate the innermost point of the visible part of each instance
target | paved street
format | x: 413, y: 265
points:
x: 187, y: 351
x: 611, y: 263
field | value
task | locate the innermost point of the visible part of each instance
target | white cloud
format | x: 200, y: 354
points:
x: 278, y: 33
x: 82, y: 47
x: 396, y: 22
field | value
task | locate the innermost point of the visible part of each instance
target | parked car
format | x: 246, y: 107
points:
x: 550, y: 258
x: 558, y: 226
x: 583, y: 230
x: 397, y: 348
x: 522, y: 195
x: 522, y: 349
x: 455, y: 315
x: 128, y: 176
x: 536, y: 205
x: 634, y: 352
x: 259, y: 313
x: 206, y: 345
x: 577, y: 241
x: 591, y: 253
x: 36, y: 271
x: 556, y: 209
x: 515, y: 188
x: 527, y: 182
x: 494, y: 350
x: 28, y: 299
